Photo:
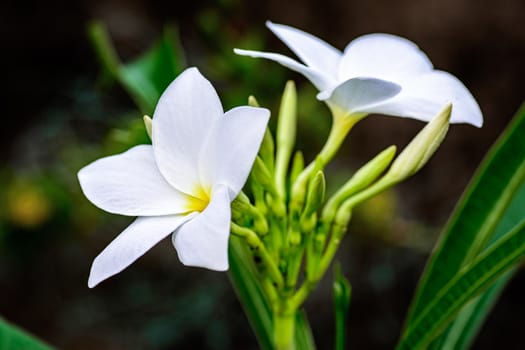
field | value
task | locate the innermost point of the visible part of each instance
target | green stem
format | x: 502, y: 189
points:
x: 284, y: 330
x: 255, y: 242
x: 314, y: 275
x: 341, y: 126
x: 294, y: 265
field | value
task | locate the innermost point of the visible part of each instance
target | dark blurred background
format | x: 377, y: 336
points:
x: 59, y: 114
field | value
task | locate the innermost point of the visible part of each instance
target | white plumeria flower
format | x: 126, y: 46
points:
x: 183, y: 183
x: 376, y: 73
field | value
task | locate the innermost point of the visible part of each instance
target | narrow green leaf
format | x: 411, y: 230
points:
x: 469, y: 321
x: 103, y: 47
x: 472, y: 280
x: 462, y: 331
x: 479, y: 212
x: 148, y: 76
x: 342, y: 295
x: 304, y: 339
x: 243, y: 278
x: 14, y: 338
x: 249, y: 292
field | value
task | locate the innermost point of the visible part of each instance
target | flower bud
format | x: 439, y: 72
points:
x: 286, y: 130
x: 252, y: 101
x: 148, y: 123
x: 297, y: 166
x: 267, y: 150
x: 316, y: 192
x: 262, y: 176
x: 421, y: 148
x: 367, y: 174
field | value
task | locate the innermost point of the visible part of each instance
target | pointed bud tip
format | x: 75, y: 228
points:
x: 417, y: 153
x: 148, y: 123
x: 252, y: 101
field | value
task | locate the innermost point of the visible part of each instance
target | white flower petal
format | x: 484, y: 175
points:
x: 132, y: 243
x: 356, y: 93
x: 319, y: 79
x: 203, y: 241
x: 182, y: 121
x: 382, y: 56
x: 130, y: 184
x: 313, y: 51
x: 422, y: 97
x: 230, y: 151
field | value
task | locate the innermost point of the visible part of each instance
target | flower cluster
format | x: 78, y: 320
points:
x: 189, y: 181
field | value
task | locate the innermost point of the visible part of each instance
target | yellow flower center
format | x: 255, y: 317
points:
x: 199, y: 200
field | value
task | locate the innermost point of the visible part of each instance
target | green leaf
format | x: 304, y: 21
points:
x: 467, y: 324
x: 148, y: 76
x: 462, y: 331
x: 472, y: 280
x: 482, y: 209
x: 249, y: 292
x: 14, y: 338
x: 342, y: 295
x: 303, y: 333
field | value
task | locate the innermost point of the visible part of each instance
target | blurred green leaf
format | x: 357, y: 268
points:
x: 14, y: 338
x: 303, y: 333
x: 342, y: 295
x: 490, y: 208
x: 475, y: 278
x: 148, y: 76
x: 242, y: 276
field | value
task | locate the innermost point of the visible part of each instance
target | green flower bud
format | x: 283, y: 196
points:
x: 367, y: 174
x: 316, y: 192
x: 252, y: 101
x: 413, y: 157
x: 421, y: 148
x: 266, y: 152
x: 294, y: 238
x: 262, y: 176
x: 286, y: 130
x: 148, y: 124
x: 297, y: 166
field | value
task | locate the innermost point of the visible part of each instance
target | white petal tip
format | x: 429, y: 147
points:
x: 92, y: 282
x: 216, y: 266
x: 324, y: 95
x: 246, y: 52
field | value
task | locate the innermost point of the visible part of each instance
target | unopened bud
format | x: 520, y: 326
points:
x: 316, y: 192
x: 262, y: 175
x: 421, y: 148
x: 287, y: 123
x: 148, y: 123
x: 370, y: 171
x: 286, y: 130
x: 367, y: 174
x: 294, y: 238
x: 297, y: 166
x: 267, y: 150
x: 252, y: 101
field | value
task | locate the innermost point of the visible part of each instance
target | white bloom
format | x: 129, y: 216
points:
x: 376, y: 73
x: 184, y: 182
